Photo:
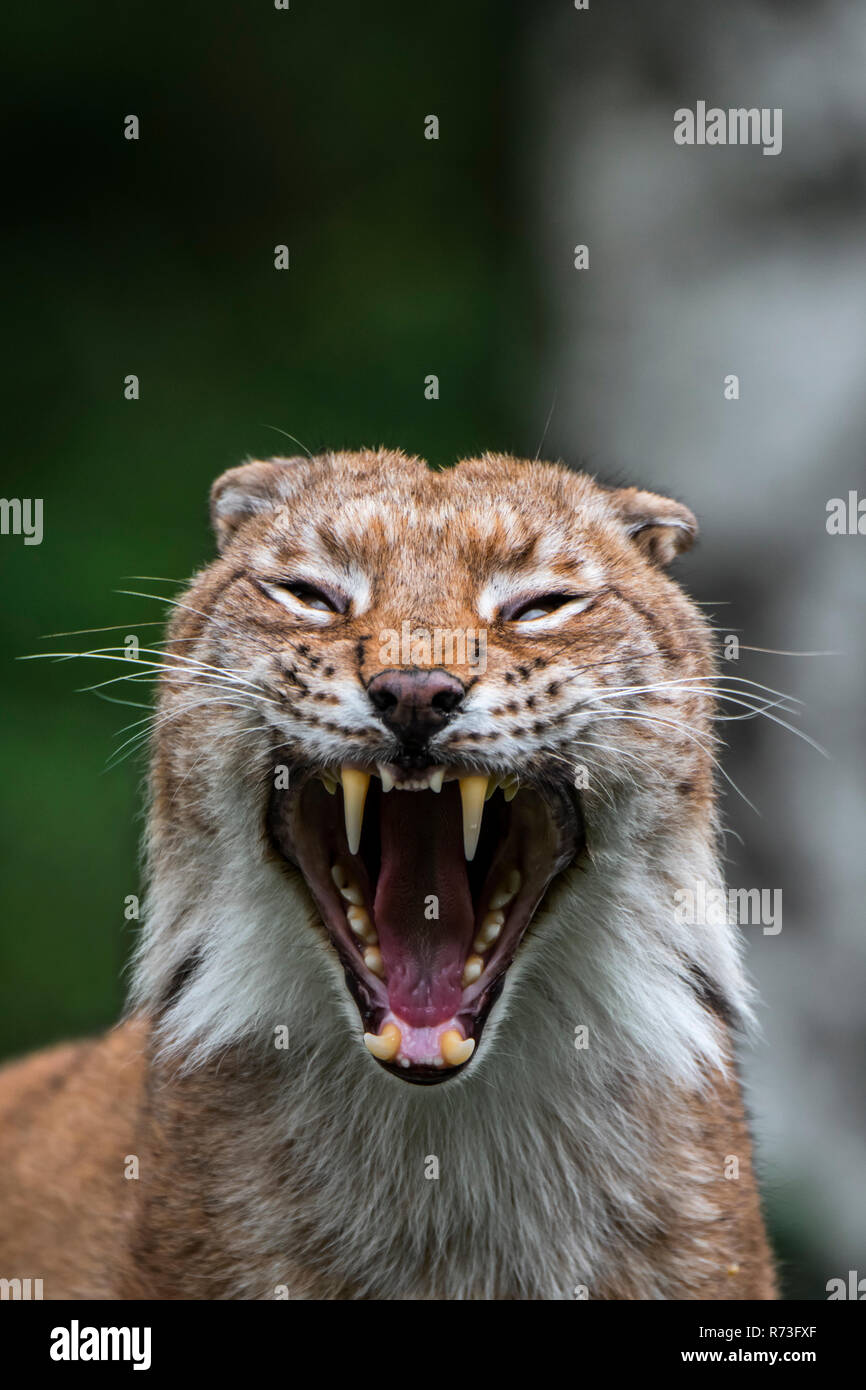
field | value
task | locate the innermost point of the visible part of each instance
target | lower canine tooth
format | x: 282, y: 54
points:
x: 455, y: 1050
x: 471, y: 970
x: 473, y: 790
x: 373, y: 962
x: 355, y: 784
x: 386, y: 1044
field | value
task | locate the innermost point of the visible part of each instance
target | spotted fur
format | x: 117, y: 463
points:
x: 562, y: 1171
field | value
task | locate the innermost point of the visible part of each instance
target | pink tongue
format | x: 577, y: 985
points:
x: 423, y: 867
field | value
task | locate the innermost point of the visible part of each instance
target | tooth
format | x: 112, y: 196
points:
x: 352, y: 893
x: 329, y: 782
x: 455, y: 1050
x: 494, y: 783
x: 472, y: 790
x: 359, y: 921
x: 490, y: 929
x: 507, y: 890
x: 339, y: 875
x: 387, y: 779
x: 386, y: 1044
x: 471, y: 970
x: 373, y: 961
x: 510, y: 788
x: 436, y: 778
x: 355, y: 784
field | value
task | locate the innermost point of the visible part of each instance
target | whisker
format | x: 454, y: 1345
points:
x: 175, y: 603
x: 774, y: 651
x: 160, y: 723
x: 288, y: 436
x: 689, y: 733
x: 736, y: 699
x: 106, y: 654
x: 86, y: 631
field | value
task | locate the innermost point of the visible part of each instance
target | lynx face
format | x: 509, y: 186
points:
x: 451, y: 683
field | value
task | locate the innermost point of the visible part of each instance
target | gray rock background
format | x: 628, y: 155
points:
x: 704, y: 262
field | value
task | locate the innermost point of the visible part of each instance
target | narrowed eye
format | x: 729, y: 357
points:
x: 324, y: 600
x: 526, y: 610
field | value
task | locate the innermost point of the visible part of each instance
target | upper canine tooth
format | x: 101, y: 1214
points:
x: 387, y: 779
x: 506, y: 891
x: 436, y: 778
x: 386, y: 1044
x: 355, y: 784
x: 455, y: 1050
x: 472, y: 793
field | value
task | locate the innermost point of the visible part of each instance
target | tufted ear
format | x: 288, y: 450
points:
x: 247, y: 491
x: 660, y: 527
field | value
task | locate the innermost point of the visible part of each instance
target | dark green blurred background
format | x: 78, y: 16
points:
x: 412, y: 257
x: 258, y: 127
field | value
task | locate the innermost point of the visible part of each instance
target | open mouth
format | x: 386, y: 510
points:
x: 426, y: 881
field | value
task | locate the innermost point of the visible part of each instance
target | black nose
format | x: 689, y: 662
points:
x: 414, y: 704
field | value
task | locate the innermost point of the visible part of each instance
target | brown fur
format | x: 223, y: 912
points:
x: 73, y: 1115
x: 69, y: 1118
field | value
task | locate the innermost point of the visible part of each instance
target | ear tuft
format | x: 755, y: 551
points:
x: 247, y: 491
x: 660, y: 527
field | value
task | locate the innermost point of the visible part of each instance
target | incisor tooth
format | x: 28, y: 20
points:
x: 455, y: 1050
x: 472, y: 793
x: 355, y: 784
x: 359, y: 921
x: 509, y: 789
x: 387, y: 779
x: 472, y: 970
x: 373, y: 961
x: 329, y: 783
x: 386, y: 1044
x: 507, y: 890
x: 436, y: 779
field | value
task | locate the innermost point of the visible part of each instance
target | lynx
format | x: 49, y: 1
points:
x: 413, y: 1013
